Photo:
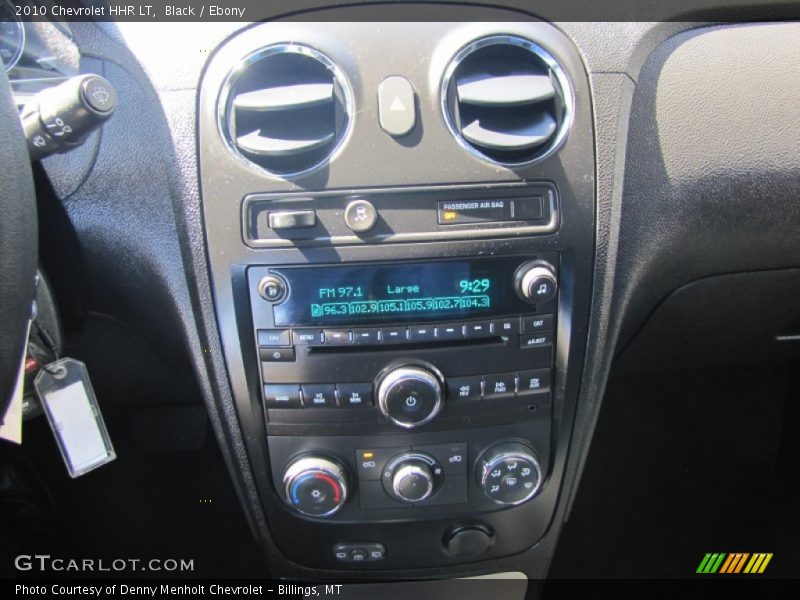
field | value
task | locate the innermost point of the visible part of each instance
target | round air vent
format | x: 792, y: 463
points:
x: 507, y: 100
x: 286, y: 109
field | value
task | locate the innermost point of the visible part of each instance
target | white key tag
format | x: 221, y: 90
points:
x: 74, y: 416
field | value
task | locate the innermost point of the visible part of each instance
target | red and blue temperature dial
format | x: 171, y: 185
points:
x: 315, y: 486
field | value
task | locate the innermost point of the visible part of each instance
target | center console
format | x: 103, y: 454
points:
x: 401, y: 246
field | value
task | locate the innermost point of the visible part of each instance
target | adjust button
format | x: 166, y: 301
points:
x: 321, y: 395
x: 535, y: 340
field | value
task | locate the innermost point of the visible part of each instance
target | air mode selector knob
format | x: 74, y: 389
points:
x: 409, y: 396
x: 412, y: 477
x: 413, y: 482
x: 509, y: 473
x: 536, y: 282
x: 315, y: 486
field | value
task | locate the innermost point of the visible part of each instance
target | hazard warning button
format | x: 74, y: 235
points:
x: 396, y: 106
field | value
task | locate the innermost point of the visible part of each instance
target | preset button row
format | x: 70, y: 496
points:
x: 286, y: 338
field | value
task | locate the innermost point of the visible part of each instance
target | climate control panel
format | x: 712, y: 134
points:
x: 417, y: 475
x: 508, y: 474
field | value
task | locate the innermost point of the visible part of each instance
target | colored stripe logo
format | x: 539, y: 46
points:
x: 734, y: 563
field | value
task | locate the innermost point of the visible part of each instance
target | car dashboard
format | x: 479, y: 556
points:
x: 399, y: 255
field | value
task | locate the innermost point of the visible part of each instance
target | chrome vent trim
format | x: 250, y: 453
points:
x: 506, y: 100
x: 285, y: 110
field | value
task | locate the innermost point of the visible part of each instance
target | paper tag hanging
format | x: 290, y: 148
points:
x: 74, y: 416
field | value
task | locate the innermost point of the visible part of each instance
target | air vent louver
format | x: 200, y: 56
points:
x: 286, y: 109
x: 507, y: 100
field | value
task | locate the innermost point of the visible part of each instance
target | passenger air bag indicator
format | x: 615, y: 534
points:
x: 456, y: 212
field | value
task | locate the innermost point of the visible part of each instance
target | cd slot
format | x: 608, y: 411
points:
x: 489, y: 341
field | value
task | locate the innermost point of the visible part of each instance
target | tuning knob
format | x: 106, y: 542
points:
x: 315, y: 486
x: 509, y: 473
x: 536, y: 282
x: 412, y: 477
x: 409, y: 396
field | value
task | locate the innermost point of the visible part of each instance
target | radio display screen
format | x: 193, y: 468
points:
x: 399, y: 293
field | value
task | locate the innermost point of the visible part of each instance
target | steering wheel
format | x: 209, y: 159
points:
x: 18, y: 243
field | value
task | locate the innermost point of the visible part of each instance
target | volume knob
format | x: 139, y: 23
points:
x: 409, y: 396
x: 536, y: 282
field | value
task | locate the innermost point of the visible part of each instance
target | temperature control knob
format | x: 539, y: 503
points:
x: 412, y: 477
x: 409, y: 396
x: 536, y: 282
x: 315, y: 486
x: 509, y: 473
